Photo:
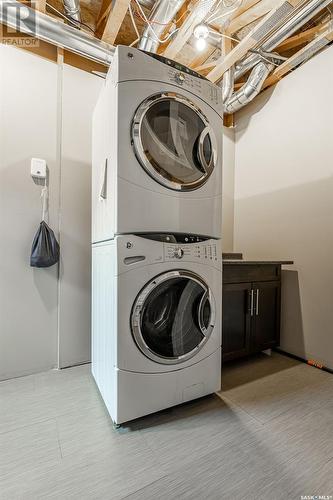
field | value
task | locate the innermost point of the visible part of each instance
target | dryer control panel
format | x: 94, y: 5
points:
x: 194, y: 84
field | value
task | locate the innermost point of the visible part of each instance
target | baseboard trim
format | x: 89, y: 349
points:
x: 303, y: 360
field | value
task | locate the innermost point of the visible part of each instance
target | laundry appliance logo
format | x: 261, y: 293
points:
x: 19, y: 24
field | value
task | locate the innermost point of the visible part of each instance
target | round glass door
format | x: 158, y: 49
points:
x: 174, y: 142
x: 173, y: 317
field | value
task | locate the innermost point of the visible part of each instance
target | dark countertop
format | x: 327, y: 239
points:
x: 245, y: 262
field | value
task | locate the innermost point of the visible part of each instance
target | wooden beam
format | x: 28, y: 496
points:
x: 259, y: 10
x: 246, y: 4
x: 202, y: 57
x: 179, y: 21
x: 40, y: 5
x: 250, y: 41
x: 303, y: 37
x: 226, y: 48
x: 315, y: 46
x: 109, y: 30
x: 186, y: 31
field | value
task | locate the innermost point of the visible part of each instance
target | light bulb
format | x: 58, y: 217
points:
x: 201, y: 33
x: 201, y: 44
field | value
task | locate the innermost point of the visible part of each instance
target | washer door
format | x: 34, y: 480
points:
x: 173, y: 317
x: 174, y: 142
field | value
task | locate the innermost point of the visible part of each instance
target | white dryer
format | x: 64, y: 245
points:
x: 156, y: 339
x: 157, y: 149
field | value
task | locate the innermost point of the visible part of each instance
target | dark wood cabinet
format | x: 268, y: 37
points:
x: 236, y: 327
x: 251, y: 309
x: 265, y: 331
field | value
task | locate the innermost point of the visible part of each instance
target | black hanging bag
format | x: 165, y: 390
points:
x: 45, y: 249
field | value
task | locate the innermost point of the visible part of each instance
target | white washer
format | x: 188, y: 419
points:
x: 157, y: 149
x: 156, y: 321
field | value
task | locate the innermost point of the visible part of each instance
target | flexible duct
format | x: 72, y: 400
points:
x: 303, y: 15
x: 147, y: 3
x: 20, y: 17
x: 72, y: 9
x: 228, y: 84
x: 162, y: 14
x: 250, y: 89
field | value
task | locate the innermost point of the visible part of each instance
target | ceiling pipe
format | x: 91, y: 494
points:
x: 147, y: 3
x: 228, y: 84
x: 162, y: 14
x: 295, y: 22
x: 73, y: 9
x: 26, y: 20
x: 250, y: 89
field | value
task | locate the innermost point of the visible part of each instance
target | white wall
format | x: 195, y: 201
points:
x: 79, y: 95
x: 228, y: 189
x: 284, y: 199
x: 28, y: 297
x: 33, y: 94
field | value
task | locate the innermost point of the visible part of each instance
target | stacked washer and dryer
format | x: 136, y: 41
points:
x: 157, y: 268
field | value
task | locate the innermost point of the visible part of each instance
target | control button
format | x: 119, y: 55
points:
x: 179, y: 253
x: 180, y: 78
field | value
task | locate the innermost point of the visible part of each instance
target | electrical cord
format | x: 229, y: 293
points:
x: 135, y: 26
x: 211, y: 18
x: 149, y: 23
x: 74, y: 22
x: 223, y: 35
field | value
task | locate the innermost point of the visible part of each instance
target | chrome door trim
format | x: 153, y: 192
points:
x: 135, y: 319
x: 142, y: 158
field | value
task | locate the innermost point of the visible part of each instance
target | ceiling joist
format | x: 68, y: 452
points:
x: 303, y: 37
x: 195, y: 17
x: 301, y: 56
x: 117, y: 10
x: 248, y: 43
x: 259, y: 10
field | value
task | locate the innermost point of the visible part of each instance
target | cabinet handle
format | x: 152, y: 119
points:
x: 257, y: 302
x: 252, y: 303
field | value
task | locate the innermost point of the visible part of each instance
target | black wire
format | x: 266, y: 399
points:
x: 79, y: 22
x: 69, y: 18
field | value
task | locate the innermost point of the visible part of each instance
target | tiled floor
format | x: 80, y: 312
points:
x: 267, y: 435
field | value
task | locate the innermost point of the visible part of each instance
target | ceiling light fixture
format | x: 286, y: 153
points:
x: 201, y: 33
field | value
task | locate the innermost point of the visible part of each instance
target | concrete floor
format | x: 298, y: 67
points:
x: 267, y: 435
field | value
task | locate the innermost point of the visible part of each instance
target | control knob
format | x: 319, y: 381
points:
x: 178, y: 254
x: 180, y: 78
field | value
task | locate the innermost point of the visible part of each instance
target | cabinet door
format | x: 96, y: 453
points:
x: 266, y: 320
x: 236, y: 320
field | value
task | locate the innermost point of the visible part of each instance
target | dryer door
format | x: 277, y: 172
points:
x: 173, y: 317
x: 174, y: 142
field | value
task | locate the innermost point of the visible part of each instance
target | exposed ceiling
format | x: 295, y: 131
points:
x: 232, y: 24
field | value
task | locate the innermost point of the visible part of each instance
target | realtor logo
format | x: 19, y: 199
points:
x: 19, y: 24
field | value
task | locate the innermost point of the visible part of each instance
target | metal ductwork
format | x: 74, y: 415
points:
x: 26, y: 20
x: 147, y: 3
x: 228, y: 84
x: 72, y: 9
x: 250, y: 89
x: 295, y: 21
x: 162, y: 14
